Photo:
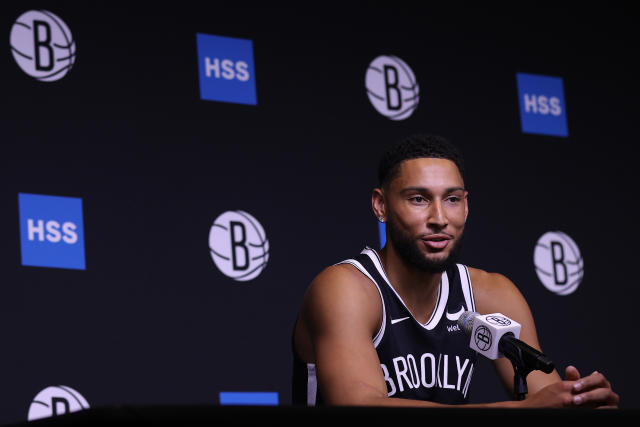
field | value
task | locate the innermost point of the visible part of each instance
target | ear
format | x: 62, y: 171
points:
x: 466, y: 205
x: 378, y: 204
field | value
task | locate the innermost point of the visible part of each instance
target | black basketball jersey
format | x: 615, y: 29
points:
x: 430, y: 361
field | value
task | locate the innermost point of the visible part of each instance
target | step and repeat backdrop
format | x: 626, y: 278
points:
x: 174, y: 176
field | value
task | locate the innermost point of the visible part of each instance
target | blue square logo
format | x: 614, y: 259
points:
x: 226, y: 70
x: 542, y: 106
x: 51, y: 231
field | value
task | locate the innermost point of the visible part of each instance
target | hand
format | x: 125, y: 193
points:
x: 555, y: 395
x: 593, y: 391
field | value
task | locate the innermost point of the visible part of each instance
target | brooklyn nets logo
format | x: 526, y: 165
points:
x: 239, y: 246
x: 392, y: 87
x: 56, y: 400
x: 558, y: 263
x: 482, y: 337
x: 42, y: 45
x: 498, y: 320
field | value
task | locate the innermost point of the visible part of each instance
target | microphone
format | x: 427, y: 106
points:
x: 495, y: 335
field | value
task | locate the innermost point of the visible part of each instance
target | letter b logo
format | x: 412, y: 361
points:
x: 56, y: 400
x: 558, y: 262
x: 392, y: 87
x: 238, y: 245
x: 42, y: 45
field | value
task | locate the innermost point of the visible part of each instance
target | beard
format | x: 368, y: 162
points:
x: 408, y: 248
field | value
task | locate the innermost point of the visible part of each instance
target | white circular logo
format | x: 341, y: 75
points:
x: 498, y: 320
x: 56, y: 400
x: 239, y: 245
x: 392, y: 87
x: 42, y: 45
x: 558, y: 262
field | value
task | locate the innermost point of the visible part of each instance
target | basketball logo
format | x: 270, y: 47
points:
x: 483, y: 338
x: 42, y: 45
x: 392, y: 87
x: 238, y: 245
x: 558, y: 263
x: 56, y: 400
x: 498, y: 320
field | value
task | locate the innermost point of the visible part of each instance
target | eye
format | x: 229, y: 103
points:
x: 454, y: 198
x: 418, y: 199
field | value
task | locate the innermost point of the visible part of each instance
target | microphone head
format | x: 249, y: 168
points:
x: 465, y: 321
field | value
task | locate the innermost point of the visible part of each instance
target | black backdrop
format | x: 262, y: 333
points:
x: 152, y: 320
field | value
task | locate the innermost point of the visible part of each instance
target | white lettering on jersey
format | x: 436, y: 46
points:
x: 432, y: 370
x: 401, y: 373
x: 391, y: 386
x: 460, y: 370
x: 411, y: 374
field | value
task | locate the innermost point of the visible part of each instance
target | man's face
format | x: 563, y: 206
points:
x: 426, y: 211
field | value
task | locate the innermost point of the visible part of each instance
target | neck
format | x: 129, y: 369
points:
x: 418, y: 289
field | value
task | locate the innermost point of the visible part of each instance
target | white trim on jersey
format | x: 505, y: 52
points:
x: 443, y: 291
x: 467, y: 289
x: 465, y: 390
x: 312, y: 384
x: 378, y: 337
x: 438, y: 370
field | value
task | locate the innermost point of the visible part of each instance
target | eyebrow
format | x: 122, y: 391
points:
x: 426, y: 190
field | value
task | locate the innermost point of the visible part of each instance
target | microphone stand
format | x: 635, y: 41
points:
x: 520, y: 373
x: 524, y: 359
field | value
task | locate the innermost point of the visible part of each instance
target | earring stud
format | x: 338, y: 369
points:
x: 381, y: 219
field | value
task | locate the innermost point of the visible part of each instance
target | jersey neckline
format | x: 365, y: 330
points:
x: 441, y: 301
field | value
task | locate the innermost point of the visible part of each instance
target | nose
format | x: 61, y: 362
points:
x: 437, y: 217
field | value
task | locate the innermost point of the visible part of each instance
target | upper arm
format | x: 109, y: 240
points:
x: 494, y: 293
x: 341, y: 312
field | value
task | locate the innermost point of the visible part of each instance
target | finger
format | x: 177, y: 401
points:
x: 596, y: 398
x: 595, y: 380
x: 571, y: 373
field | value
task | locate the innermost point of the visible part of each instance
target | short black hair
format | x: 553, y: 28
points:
x: 414, y: 147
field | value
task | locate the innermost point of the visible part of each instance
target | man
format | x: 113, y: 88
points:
x: 379, y: 329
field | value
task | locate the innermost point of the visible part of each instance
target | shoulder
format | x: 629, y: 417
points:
x: 494, y: 292
x: 340, y: 291
x: 340, y: 305
x: 340, y: 285
x: 484, y: 281
x: 340, y: 301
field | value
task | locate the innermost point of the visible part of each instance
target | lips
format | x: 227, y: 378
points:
x: 436, y: 241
